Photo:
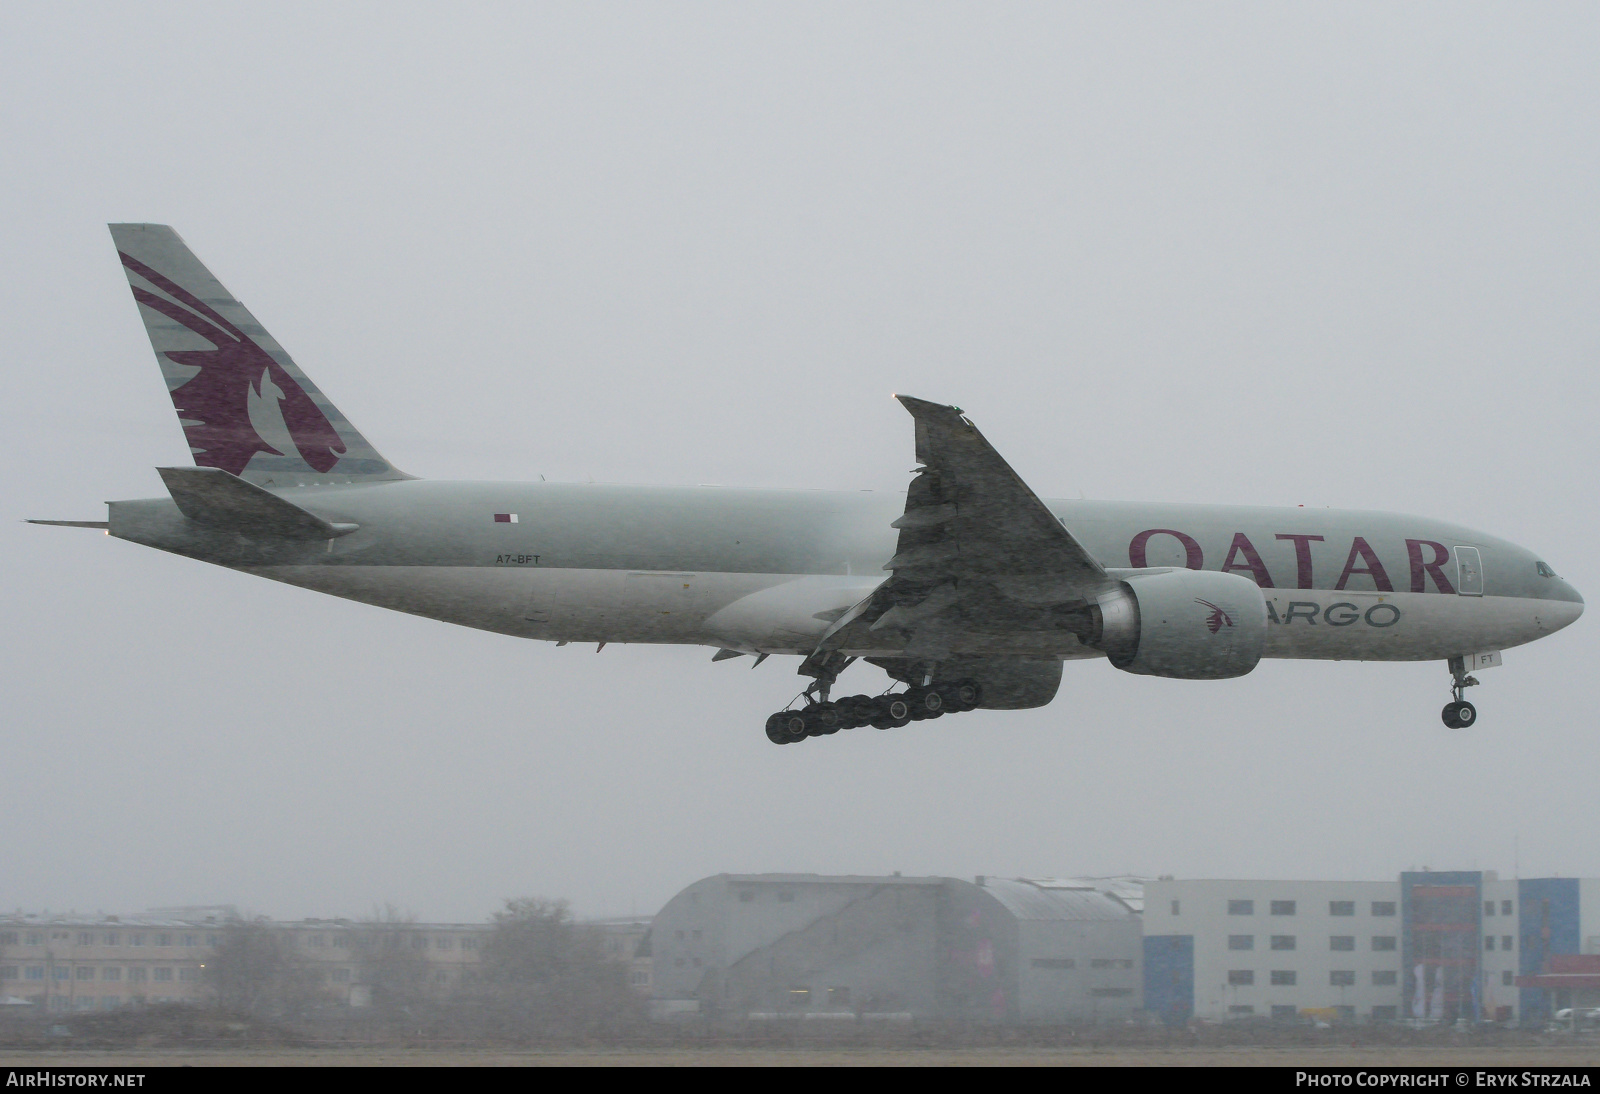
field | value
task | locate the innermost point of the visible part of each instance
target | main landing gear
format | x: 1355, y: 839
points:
x: 821, y: 718
x: 1458, y: 713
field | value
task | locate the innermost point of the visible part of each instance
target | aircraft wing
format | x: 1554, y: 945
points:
x: 967, y: 504
x: 981, y: 561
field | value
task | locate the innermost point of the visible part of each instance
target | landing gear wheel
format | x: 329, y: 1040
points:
x: 896, y: 711
x: 1459, y: 715
x: 914, y: 706
x: 777, y: 732
x: 823, y: 719
x: 855, y: 711
x: 794, y: 725
x: 962, y: 695
x: 890, y: 712
x: 924, y: 703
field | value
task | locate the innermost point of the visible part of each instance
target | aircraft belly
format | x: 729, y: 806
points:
x: 774, y: 613
x: 1346, y: 626
x: 557, y: 604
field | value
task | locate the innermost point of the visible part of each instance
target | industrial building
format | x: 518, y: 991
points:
x: 1428, y: 946
x: 808, y: 946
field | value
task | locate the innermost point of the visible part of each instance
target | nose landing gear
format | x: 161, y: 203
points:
x: 1458, y: 713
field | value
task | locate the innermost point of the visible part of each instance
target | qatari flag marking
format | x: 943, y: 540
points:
x: 505, y: 518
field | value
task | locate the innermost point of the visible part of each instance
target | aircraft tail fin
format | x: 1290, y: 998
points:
x: 244, y: 404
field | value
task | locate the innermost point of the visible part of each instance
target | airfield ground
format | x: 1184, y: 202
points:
x: 1019, y: 1056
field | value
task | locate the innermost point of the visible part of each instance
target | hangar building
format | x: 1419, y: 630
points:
x: 768, y: 946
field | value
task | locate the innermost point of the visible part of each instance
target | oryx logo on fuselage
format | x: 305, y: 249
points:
x: 215, y: 404
x: 1217, y: 619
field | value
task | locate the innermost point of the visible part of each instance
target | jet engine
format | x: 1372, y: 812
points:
x: 1181, y: 624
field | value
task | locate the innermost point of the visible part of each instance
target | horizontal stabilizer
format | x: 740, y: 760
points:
x: 103, y: 525
x: 218, y: 499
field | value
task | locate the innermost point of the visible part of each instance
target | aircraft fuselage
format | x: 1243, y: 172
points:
x: 767, y: 571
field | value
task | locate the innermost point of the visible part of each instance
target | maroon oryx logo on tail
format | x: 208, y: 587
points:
x: 215, y: 403
x: 1217, y: 619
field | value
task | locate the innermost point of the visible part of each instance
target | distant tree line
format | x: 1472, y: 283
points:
x: 541, y: 975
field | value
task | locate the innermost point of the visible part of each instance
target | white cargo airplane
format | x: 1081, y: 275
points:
x: 971, y: 590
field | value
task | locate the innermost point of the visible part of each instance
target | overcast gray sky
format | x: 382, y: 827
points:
x: 1260, y: 253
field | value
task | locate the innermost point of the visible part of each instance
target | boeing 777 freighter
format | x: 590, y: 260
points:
x: 970, y: 590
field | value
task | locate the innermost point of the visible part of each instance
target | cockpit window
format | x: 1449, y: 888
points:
x: 1545, y: 571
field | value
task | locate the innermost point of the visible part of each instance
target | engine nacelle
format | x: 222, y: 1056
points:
x: 1183, y: 624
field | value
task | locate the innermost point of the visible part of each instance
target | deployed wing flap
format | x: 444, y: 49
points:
x: 218, y: 499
